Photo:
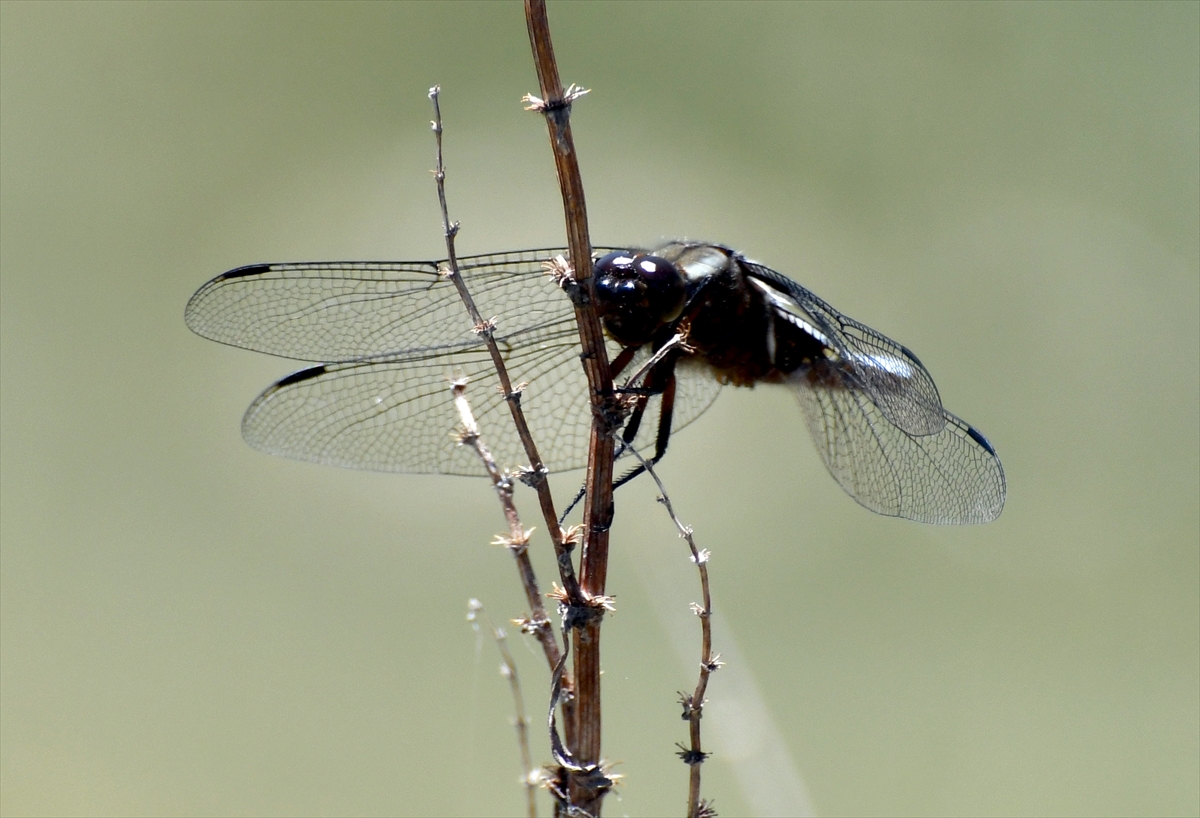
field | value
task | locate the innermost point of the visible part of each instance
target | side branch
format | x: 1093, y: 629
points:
x: 486, y: 329
x: 530, y: 777
x: 693, y: 703
x: 538, y: 622
x: 517, y: 540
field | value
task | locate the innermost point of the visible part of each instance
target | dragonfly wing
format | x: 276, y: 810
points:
x: 953, y: 476
x: 396, y: 414
x: 696, y: 389
x: 341, y: 311
x: 895, y: 379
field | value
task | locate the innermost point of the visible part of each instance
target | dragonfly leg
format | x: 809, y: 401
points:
x: 665, y: 414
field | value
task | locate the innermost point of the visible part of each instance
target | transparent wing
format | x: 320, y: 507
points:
x: 346, y: 310
x: 396, y: 414
x: 953, y: 476
x: 894, y: 378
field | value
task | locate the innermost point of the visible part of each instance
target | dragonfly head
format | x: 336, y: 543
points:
x: 636, y: 294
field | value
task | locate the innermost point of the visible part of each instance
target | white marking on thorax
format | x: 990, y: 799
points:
x: 702, y: 265
x: 788, y: 310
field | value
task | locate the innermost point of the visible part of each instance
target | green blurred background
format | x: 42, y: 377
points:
x: 1013, y: 191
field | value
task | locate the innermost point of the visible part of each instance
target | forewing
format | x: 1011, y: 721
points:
x: 342, y: 311
x: 953, y: 476
x: 895, y: 379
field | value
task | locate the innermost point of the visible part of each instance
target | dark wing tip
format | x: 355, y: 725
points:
x: 191, y: 312
x: 978, y: 437
x: 243, y: 272
x: 301, y: 376
x: 911, y: 355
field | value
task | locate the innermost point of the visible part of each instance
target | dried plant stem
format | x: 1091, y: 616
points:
x: 486, y: 330
x: 517, y: 540
x: 538, y: 623
x: 587, y: 787
x: 693, y: 703
x: 508, y: 669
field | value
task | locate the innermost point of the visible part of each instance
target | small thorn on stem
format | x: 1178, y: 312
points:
x: 691, y: 757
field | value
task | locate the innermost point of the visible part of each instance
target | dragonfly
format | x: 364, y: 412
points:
x: 690, y: 317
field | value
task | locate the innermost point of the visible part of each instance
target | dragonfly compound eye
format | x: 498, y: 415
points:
x: 637, y: 294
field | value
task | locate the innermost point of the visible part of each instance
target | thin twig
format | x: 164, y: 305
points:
x: 517, y: 540
x: 676, y: 340
x: 538, y: 622
x: 586, y: 792
x: 530, y: 777
x: 693, y: 704
x: 486, y: 330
